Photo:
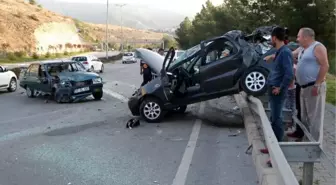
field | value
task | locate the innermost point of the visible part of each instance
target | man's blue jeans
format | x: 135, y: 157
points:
x: 276, y: 105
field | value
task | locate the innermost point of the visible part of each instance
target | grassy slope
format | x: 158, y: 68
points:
x: 331, y: 89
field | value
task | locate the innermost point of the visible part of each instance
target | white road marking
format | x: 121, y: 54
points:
x: 115, y: 95
x: 183, y: 169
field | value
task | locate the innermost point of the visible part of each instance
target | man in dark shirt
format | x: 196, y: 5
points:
x: 279, y: 80
x: 145, y: 71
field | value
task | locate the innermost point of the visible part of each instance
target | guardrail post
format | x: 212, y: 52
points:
x: 308, y: 173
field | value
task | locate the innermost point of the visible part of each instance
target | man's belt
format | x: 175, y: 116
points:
x: 307, y: 85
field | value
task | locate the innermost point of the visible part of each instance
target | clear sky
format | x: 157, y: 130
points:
x: 185, y: 7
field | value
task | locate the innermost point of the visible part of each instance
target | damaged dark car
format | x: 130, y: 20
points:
x: 217, y: 67
x: 65, y: 81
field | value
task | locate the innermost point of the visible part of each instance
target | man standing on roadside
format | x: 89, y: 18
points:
x: 311, y: 72
x: 278, y: 81
x: 145, y: 71
x: 161, y: 51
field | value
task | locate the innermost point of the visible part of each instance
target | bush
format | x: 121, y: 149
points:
x: 35, y: 56
x: 66, y: 53
x: 58, y: 55
x: 11, y: 56
x: 19, y: 54
x: 47, y: 55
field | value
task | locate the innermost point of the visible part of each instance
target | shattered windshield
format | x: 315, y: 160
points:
x: 54, y: 69
x: 186, y: 54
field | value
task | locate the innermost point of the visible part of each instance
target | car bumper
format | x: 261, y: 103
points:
x: 72, y: 96
x: 134, y: 104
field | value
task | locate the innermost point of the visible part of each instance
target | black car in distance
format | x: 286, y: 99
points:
x: 216, y: 67
x: 66, y: 81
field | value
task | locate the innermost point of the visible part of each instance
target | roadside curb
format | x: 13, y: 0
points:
x: 266, y: 175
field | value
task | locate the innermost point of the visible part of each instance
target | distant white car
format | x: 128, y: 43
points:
x: 90, y: 62
x: 128, y: 58
x: 8, y: 80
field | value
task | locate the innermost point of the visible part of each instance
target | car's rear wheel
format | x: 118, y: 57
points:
x: 102, y: 68
x: 253, y: 82
x: 98, y: 95
x: 12, y: 85
x: 30, y: 92
x: 151, y: 109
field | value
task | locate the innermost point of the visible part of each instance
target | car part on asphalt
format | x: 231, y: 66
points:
x: 132, y: 123
x: 65, y: 81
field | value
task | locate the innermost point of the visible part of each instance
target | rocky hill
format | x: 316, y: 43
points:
x: 27, y: 27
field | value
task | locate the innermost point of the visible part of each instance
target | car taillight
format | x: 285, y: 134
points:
x: 85, y: 62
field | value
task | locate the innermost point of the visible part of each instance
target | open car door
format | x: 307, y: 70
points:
x: 168, y: 81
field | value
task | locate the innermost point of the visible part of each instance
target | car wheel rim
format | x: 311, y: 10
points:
x: 13, y: 85
x: 152, y: 110
x: 255, y: 81
x: 28, y: 91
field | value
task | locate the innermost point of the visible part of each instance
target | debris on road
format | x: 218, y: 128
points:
x: 235, y: 134
x: 235, y: 108
x: 132, y: 123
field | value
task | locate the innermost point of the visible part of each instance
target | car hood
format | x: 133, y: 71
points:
x: 151, y: 58
x: 77, y: 76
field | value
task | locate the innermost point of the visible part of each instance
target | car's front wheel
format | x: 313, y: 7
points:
x: 253, y: 82
x: 30, y: 92
x: 151, y: 109
x: 98, y: 95
x: 12, y: 85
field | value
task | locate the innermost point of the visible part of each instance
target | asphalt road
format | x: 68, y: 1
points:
x: 87, y: 143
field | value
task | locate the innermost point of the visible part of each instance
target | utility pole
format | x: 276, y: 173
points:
x: 107, y: 15
x: 121, y: 25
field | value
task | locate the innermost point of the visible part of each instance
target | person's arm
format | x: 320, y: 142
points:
x: 296, y: 52
x: 322, y: 58
x: 269, y: 57
x: 287, y: 66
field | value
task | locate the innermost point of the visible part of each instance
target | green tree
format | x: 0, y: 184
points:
x: 32, y: 2
x: 183, y: 33
x: 169, y: 41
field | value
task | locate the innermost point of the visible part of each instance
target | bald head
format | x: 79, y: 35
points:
x: 308, y: 32
x: 305, y: 37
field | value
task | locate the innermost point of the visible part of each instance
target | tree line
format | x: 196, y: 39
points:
x: 246, y: 15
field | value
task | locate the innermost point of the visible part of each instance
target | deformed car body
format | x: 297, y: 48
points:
x: 66, y: 81
x: 216, y: 67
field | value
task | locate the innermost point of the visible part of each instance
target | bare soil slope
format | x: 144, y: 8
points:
x: 19, y: 19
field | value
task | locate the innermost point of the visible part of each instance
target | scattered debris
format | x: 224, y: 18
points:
x: 22, y: 92
x: 116, y: 84
x: 235, y: 134
x: 46, y: 101
x: 235, y: 108
x: 132, y: 123
x: 99, y: 109
x: 248, y: 149
x: 48, y: 127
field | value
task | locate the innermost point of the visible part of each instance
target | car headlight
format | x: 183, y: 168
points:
x: 66, y: 83
x: 97, y: 81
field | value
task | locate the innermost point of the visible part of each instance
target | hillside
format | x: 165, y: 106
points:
x: 32, y: 28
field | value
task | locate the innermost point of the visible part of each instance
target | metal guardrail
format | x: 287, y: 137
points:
x: 307, y: 152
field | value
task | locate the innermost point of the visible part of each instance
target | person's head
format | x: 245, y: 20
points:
x: 306, y: 36
x: 161, y: 51
x: 278, y: 36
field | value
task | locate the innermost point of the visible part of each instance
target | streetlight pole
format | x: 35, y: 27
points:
x: 121, y: 22
x: 107, y: 15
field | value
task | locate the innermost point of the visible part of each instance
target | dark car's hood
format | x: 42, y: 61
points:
x: 151, y: 58
x: 77, y: 76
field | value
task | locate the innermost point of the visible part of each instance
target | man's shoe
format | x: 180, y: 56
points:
x: 269, y: 163
x: 264, y: 151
